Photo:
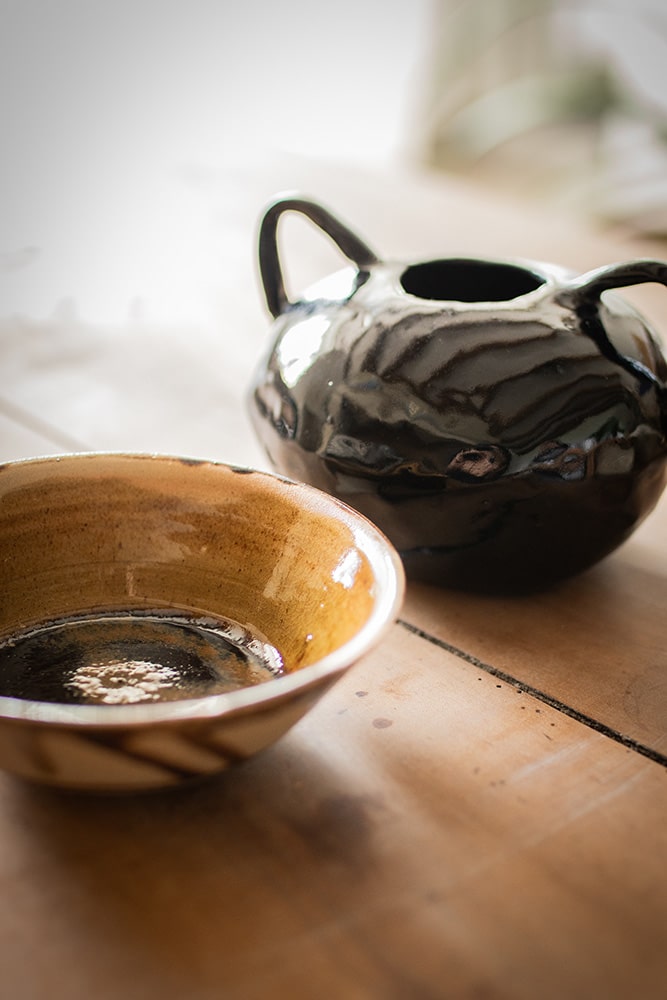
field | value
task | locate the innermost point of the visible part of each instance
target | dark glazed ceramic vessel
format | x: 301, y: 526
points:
x: 503, y: 422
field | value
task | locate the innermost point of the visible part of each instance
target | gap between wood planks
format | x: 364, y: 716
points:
x: 547, y: 699
x: 33, y: 423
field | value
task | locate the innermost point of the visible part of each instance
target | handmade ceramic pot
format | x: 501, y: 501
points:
x: 502, y: 421
x: 162, y: 618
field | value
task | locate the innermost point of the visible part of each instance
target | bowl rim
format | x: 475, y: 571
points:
x: 389, y: 587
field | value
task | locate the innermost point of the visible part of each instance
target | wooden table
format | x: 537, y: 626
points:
x: 478, y: 809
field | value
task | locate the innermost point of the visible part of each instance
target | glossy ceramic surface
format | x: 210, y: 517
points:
x: 501, y: 421
x: 86, y: 534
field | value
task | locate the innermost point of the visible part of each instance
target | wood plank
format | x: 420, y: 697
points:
x: 594, y: 643
x: 134, y: 387
x: 426, y: 831
x: 432, y: 828
x: 21, y: 436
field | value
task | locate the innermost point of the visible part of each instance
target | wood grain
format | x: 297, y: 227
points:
x: 477, y: 810
x: 425, y: 832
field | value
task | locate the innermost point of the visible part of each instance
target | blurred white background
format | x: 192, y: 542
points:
x: 563, y: 100
x: 111, y: 113
x: 141, y: 140
x: 123, y: 124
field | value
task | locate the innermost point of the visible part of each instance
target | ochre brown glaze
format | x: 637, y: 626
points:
x: 500, y: 421
x: 84, y: 534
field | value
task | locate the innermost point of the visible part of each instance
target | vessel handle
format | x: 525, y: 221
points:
x: 588, y: 287
x: 270, y: 269
x: 583, y: 295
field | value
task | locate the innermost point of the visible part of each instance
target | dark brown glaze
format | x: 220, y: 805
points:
x: 138, y: 656
x: 500, y: 422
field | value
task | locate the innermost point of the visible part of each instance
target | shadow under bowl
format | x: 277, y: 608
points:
x: 162, y: 618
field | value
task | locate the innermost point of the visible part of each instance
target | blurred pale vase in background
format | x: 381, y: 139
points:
x: 562, y: 99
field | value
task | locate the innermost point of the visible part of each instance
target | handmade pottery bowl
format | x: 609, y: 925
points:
x: 162, y: 618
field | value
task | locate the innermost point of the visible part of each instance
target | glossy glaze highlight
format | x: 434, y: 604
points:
x: 499, y: 420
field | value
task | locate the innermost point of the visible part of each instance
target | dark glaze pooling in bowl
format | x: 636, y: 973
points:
x: 133, y: 657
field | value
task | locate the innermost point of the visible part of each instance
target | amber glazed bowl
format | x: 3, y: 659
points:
x: 162, y: 618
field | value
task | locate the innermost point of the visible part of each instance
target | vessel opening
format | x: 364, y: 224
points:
x: 469, y: 281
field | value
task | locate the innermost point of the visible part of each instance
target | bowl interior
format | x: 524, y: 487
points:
x: 85, y: 533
